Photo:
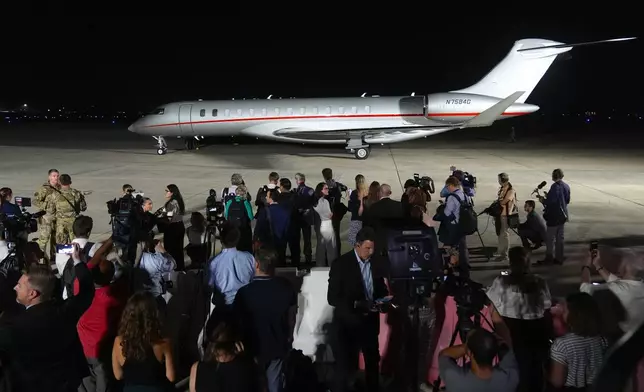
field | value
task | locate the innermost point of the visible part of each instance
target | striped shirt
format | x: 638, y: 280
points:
x: 582, y: 356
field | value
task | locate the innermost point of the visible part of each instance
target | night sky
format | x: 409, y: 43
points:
x: 126, y: 68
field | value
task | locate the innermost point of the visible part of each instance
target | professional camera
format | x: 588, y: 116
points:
x: 214, y: 210
x: 426, y: 184
x: 126, y: 219
x: 413, y: 254
x: 134, y: 193
x: 468, y: 181
x: 470, y: 300
x: 13, y: 225
x: 15, y: 229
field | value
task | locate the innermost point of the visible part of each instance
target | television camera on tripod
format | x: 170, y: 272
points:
x: 215, y: 220
x: 417, y: 262
x: 126, y: 218
x: 15, y: 230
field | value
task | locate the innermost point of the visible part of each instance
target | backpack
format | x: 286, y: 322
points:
x: 227, y: 195
x: 237, y: 213
x: 468, y: 222
x: 68, y: 276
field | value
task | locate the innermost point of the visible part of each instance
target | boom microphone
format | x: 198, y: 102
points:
x: 540, y: 186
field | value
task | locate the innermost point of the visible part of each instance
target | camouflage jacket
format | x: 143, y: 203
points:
x: 41, y: 196
x: 66, y: 204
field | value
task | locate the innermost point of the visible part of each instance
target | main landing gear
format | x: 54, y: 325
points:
x: 162, y: 146
x: 359, y: 148
x: 192, y: 143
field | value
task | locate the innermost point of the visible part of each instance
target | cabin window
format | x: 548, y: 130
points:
x: 289, y: 111
x: 367, y: 109
x: 328, y: 110
x: 277, y: 111
x: 202, y: 113
x: 239, y: 112
x: 341, y: 110
x: 251, y: 112
x: 315, y: 110
x: 302, y: 111
x: 264, y: 112
x: 214, y: 112
x: 227, y: 112
x: 354, y: 110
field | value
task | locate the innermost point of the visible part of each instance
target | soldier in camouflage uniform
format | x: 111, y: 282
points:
x: 66, y: 205
x: 47, y: 223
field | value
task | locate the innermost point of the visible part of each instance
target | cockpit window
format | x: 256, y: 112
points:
x: 156, y: 111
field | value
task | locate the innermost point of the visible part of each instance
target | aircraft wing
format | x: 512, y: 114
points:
x: 488, y: 116
x: 302, y: 133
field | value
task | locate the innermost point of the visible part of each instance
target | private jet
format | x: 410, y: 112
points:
x: 358, y: 122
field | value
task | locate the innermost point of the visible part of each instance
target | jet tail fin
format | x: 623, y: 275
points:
x: 488, y: 116
x: 524, y: 66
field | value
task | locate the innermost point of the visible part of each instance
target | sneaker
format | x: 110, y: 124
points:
x: 501, y: 258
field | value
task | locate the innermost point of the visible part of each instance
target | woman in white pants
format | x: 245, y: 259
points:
x: 326, y: 248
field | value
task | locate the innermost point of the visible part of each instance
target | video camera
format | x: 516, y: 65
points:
x: 15, y: 225
x: 426, y: 184
x: 214, y: 210
x: 470, y: 298
x: 126, y: 219
x: 15, y: 229
x: 414, y: 254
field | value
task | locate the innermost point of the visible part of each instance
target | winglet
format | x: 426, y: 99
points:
x: 488, y: 116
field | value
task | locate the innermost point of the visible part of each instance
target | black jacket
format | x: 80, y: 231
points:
x: 42, y: 344
x: 346, y: 287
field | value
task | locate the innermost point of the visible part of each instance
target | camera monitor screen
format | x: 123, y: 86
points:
x: 414, y: 254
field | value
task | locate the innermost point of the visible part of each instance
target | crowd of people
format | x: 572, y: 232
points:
x: 95, y: 319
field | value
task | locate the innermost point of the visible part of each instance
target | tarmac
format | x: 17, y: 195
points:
x: 604, y: 170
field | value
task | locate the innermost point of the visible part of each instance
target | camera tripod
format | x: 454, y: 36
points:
x: 210, y: 239
x: 416, y: 290
x: 463, y: 326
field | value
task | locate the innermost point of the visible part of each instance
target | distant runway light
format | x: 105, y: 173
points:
x: 363, y: 95
x: 413, y: 94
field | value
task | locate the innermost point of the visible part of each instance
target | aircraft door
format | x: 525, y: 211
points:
x: 185, y: 119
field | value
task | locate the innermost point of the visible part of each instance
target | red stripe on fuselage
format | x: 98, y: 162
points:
x: 320, y: 117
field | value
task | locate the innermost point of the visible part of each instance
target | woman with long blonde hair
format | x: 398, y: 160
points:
x: 355, y: 199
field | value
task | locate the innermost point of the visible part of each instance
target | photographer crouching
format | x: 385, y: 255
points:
x: 480, y: 374
x: 452, y: 232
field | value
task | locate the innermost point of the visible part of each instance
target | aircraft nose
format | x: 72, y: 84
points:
x: 131, y: 128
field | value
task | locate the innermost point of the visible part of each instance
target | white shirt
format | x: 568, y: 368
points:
x: 61, y: 259
x: 630, y: 294
x: 511, y: 303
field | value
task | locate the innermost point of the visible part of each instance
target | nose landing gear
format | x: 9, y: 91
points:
x: 162, y: 146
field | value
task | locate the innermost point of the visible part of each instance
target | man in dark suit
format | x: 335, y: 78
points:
x: 355, y: 291
x: 384, y: 214
x: 41, y: 344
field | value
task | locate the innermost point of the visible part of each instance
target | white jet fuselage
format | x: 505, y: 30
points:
x: 362, y: 121
x: 323, y: 120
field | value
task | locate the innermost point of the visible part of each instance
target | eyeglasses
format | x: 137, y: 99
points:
x: 167, y: 190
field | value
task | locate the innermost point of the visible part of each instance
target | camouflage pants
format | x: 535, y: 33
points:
x: 64, y: 230
x: 46, y: 236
